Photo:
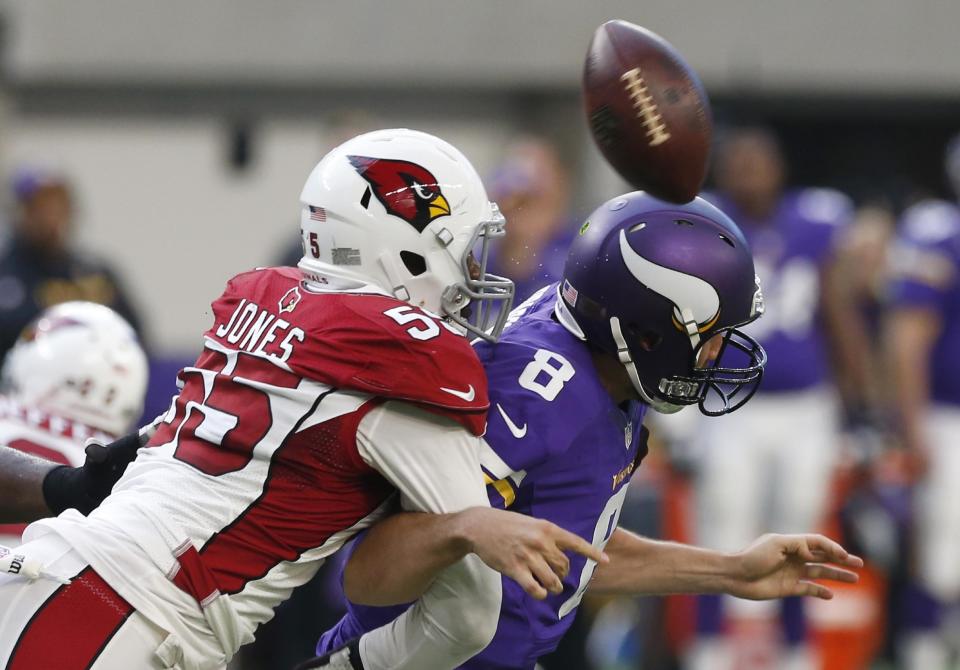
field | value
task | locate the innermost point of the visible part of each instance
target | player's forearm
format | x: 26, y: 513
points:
x: 434, y: 465
x: 847, y: 331
x: 911, y: 400
x: 21, y: 483
x: 640, y: 566
x: 400, y: 557
x: 911, y: 335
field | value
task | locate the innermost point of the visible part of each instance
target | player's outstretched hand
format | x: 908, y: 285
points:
x: 776, y: 566
x: 528, y: 550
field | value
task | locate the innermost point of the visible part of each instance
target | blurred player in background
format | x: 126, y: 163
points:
x: 870, y: 510
x: 532, y: 187
x: 768, y: 468
x: 39, y: 266
x: 572, y: 378
x: 77, y: 372
x: 320, y: 392
x: 923, y: 329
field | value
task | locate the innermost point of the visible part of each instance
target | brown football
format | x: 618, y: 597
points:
x: 647, y: 110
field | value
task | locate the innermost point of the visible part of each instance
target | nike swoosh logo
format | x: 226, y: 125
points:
x: 515, y: 430
x: 467, y: 395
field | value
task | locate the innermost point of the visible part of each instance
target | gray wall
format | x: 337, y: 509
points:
x: 135, y: 101
x: 871, y: 46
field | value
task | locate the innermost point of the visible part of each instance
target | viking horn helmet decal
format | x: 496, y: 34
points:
x: 683, y: 290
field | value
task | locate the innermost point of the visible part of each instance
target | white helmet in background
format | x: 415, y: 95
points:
x: 403, y: 210
x: 79, y: 361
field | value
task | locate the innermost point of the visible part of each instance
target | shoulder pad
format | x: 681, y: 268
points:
x: 931, y: 221
x: 408, y: 348
x: 539, y: 402
x: 824, y: 205
x: 367, y: 342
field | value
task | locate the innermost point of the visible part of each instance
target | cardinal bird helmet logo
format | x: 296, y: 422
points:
x: 405, y: 189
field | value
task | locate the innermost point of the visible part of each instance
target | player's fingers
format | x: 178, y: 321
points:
x: 821, y: 571
x: 545, y: 575
x: 832, y: 552
x: 851, y: 561
x: 558, y: 562
x: 525, y: 579
x: 566, y: 540
x: 812, y: 589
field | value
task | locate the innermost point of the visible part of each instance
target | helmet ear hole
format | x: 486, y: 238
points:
x: 415, y: 263
x: 649, y: 340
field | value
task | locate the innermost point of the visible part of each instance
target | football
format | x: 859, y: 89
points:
x: 647, y: 111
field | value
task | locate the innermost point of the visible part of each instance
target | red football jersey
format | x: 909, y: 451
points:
x: 358, y: 341
x: 254, y: 476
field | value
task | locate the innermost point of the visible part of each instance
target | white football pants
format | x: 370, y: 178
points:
x: 39, y: 626
x: 938, y: 506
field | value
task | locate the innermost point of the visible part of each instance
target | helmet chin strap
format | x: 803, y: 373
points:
x: 691, y: 326
x: 394, y: 276
x: 623, y: 354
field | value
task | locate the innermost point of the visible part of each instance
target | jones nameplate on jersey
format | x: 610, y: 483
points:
x: 255, y: 329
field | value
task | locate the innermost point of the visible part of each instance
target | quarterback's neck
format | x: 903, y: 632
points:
x: 613, y: 376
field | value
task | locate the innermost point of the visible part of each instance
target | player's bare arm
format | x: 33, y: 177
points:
x: 21, y: 479
x: 384, y: 571
x: 775, y: 566
x: 852, y: 274
x: 433, y: 463
x: 846, y: 328
x: 912, y: 335
x: 36, y: 488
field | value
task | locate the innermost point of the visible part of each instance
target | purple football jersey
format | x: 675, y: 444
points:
x: 926, y: 261
x: 789, y: 250
x: 558, y: 448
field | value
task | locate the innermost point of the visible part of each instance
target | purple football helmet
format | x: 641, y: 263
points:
x: 651, y: 282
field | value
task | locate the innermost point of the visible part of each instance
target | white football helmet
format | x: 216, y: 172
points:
x: 403, y: 210
x: 80, y: 361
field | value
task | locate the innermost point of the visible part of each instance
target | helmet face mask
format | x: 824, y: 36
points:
x: 721, y: 386
x: 402, y: 210
x: 652, y: 283
x: 480, y: 289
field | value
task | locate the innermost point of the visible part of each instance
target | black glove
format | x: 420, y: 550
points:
x: 344, y: 658
x: 85, y: 487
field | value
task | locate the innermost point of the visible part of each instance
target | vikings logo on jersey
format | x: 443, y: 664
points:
x: 405, y: 189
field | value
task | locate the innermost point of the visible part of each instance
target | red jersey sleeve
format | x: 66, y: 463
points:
x: 363, y: 342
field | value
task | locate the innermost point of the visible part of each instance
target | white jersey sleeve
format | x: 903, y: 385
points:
x: 435, y: 464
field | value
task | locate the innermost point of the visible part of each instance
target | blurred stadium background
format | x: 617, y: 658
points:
x: 184, y: 131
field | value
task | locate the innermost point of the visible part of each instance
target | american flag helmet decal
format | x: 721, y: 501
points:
x: 318, y: 213
x: 569, y: 293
